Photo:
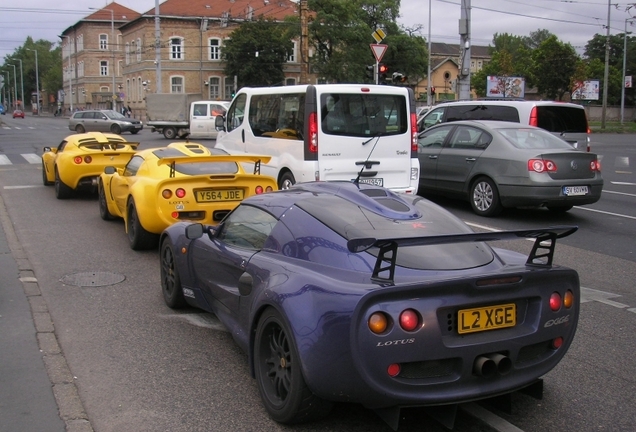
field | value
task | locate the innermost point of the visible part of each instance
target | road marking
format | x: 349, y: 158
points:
x: 32, y: 158
x: 622, y: 183
x: 4, y: 160
x: 620, y: 193
x: 23, y: 187
x: 492, y: 420
x: 607, y: 213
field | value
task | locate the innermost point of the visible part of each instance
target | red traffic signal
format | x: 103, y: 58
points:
x: 383, y: 68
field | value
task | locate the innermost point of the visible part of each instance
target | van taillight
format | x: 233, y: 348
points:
x: 534, y: 119
x: 313, y: 132
x: 414, y: 133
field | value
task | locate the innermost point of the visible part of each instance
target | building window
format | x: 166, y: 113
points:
x: 140, y: 88
x: 176, y: 49
x: 214, y: 85
x: 138, y: 49
x: 292, y: 55
x: 176, y: 84
x: 128, y: 53
x: 103, y: 68
x: 215, y: 49
x: 103, y: 42
x: 80, y: 43
x: 229, y: 88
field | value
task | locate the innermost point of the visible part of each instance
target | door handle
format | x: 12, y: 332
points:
x: 243, y: 135
x: 470, y: 159
x: 432, y: 157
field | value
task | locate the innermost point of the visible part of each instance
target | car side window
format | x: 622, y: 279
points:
x: 247, y: 227
x: 133, y: 166
x: 432, y: 138
x: 60, y: 148
x: 200, y: 109
x: 466, y: 137
x: 433, y: 117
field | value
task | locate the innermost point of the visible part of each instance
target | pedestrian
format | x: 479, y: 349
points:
x: 129, y: 111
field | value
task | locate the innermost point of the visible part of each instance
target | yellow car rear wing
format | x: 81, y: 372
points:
x: 114, y: 146
x: 256, y: 159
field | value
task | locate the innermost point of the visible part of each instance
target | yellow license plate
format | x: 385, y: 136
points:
x: 487, y: 318
x: 209, y: 195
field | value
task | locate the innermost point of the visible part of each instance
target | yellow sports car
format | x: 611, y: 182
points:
x: 183, y: 181
x: 79, y: 160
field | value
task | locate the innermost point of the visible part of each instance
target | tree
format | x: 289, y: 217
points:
x: 256, y: 52
x: 595, y: 49
x: 554, y: 65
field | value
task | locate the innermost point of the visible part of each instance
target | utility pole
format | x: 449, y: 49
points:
x: 463, y: 81
x: 304, y: 44
x: 429, y: 101
x: 157, y: 48
x: 606, y: 74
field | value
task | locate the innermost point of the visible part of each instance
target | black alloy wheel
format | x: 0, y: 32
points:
x: 170, y: 280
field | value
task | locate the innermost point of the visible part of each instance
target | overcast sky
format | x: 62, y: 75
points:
x: 572, y: 21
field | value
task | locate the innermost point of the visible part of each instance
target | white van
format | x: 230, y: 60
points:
x: 327, y: 132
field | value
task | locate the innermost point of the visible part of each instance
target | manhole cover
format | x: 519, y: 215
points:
x: 92, y: 279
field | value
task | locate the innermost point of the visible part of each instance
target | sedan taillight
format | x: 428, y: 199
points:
x: 541, y: 165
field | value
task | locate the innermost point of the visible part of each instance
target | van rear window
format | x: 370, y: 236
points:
x: 363, y: 115
x: 562, y: 119
x: 482, y: 112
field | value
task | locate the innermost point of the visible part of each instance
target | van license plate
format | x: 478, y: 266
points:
x: 487, y: 318
x: 372, y: 181
x: 575, y: 190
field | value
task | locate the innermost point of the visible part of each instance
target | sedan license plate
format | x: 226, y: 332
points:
x: 209, y: 195
x: 575, y: 190
x: 372, y: 181
x: 487, y: 318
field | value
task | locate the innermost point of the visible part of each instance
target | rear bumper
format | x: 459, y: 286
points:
x: 533, y: 196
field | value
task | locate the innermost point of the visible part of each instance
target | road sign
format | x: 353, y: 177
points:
x: 378, y: 51
x: 379, y: 35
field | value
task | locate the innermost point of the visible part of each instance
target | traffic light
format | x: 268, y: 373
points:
x: 383, y: 70
x: 399, y: 77
x: 369, y: 72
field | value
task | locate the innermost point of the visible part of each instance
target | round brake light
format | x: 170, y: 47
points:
x: 409, y: 320
x: 77, y: 159
x: 180, y: 193
x: 258, y: 190
x: 555, y: 301
x: 393, y: 370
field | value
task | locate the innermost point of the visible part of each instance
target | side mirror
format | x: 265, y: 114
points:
x: 46, y: 149
x: 110, y: 170
x: 194, y: 231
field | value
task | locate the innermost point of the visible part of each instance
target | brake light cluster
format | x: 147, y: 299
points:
x: 313, y: 132
x: 380, y: 322
x: 557, y: 302
x: 541, y: 165
x: 86, y: 159
x: 413, y: 132
x: 595, y: 165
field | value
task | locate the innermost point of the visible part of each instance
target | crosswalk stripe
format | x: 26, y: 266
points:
x: 4, y: 160
x: 32, y: 158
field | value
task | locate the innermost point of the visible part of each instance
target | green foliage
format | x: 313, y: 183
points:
x: 256, y: 53
x: 554, y: 64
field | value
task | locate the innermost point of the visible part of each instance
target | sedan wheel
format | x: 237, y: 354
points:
x: 170, y: 280
x: 116, y: 129
x: 80, y: 129
x: 484, y: 197
x: 138, y: 237
x: 281, y: 385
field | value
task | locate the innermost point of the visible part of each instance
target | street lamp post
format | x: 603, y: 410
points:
x: 111, y: 46
x: 37, y: 81
x: 7, y: 91
x: 21, y: 83
x: 15, y: 87
x: 624, y: 70
x: 70, y: 76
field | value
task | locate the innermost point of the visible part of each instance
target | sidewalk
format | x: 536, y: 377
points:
x: 34, y: 377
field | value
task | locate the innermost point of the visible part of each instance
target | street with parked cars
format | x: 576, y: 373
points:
x: 138, y: 364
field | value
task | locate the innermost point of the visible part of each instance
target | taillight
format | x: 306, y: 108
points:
x: 534, y: 119
x: 378, y: 323
x: 409, y: 320
x: 557, y: 342
x: 541, y: 165
x: 393, y: 370
x: 555, y: 301
x: 180, y: 193
x: 568, y: 299
x: 269, y: 189
x: 413, y: 132
x: 78, y: 159
x: 88, y: 159
x: 166, y: 193
x: 258, y: 190
x: 313, y: 132
x: 595, y: 165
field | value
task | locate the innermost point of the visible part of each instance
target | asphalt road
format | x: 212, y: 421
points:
x: 138, y: 365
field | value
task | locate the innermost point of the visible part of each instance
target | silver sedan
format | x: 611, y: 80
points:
x: 500, y: 164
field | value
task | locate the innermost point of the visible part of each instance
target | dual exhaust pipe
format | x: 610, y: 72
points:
x: 491, y: 364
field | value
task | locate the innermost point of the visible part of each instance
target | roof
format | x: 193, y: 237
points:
x: 236, y: 9
x: 120, y: 13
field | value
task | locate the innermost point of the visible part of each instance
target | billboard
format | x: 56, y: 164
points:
x: 502, y: 87
x: 585, y: 90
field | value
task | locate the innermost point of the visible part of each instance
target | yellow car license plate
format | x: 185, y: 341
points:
x: 487, y: 318
x: 210, y: 195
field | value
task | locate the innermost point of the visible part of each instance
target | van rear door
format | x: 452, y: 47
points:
x: 567, y: 121
x: 366, y: 131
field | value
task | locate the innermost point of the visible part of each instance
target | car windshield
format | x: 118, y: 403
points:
x: 523, y: 138
x: 114, y: 115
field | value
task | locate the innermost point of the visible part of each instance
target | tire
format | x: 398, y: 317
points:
x: 62, y: 191
x: 170, y: 280
x: 134, y: 131
x: 115, y: 128
x: 80, y: 129
x: 138, y: 237
x: 103, y: 206
x: 45, y: 180
x: 286, y: 181
x: 279, y: 377
x: 484, y: 197
x: 560, y: 209
x: 169, y: 133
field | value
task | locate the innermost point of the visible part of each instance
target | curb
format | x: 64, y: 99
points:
x: 70, y: 407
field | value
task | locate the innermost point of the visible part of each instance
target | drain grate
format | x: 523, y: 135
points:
x: 92, y: 279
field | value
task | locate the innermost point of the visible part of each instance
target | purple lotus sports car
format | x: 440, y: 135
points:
x: 345, y: 292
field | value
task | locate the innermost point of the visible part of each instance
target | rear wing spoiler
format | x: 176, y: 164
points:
x: 256, y: 159
x: 541, y: 255
x: 115, y: 146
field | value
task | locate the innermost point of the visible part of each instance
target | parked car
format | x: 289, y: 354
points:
x: 497, y: 164
x: 183, y: 181
x: 103, y: 121
x: 18, y: 113
x: 348, y: 292
x: 565, y: 120
x: 79, y: 159
x: 2, y: 110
